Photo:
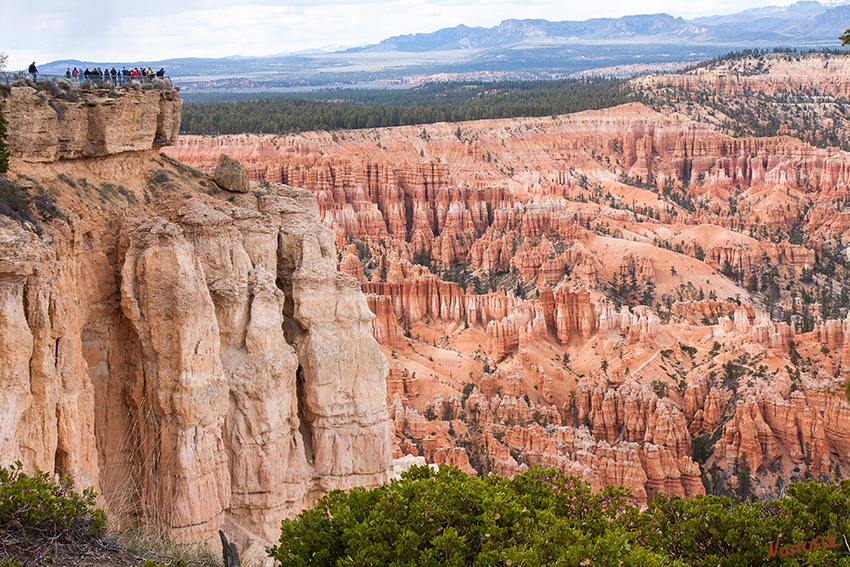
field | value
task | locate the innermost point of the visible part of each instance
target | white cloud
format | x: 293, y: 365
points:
x: 115, y: 30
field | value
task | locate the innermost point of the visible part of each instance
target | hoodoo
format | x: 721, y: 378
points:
x: 628, y: 295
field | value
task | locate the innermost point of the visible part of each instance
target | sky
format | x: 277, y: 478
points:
x: 152, y: 30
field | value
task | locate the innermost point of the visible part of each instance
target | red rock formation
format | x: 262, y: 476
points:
x: 565, y: 276
x: 777, y: 73
x: 385, y: 327
x: 575, y: 315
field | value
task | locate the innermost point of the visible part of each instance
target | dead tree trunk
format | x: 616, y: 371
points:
x: 229, y: 552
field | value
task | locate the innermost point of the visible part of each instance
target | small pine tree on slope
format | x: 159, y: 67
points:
x: 4, y: 148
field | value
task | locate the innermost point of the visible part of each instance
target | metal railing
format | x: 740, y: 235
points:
x: 78, y: 81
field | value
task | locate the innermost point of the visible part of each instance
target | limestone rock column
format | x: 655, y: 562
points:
x: 180, y: 394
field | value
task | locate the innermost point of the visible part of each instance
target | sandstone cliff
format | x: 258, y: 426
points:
x: 45, y: 129
x: 193, y: 355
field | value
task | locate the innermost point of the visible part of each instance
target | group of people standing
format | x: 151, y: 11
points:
x: 98, y: 75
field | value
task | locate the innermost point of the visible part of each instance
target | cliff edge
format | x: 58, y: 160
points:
x: 193, y: 354
x: 89, y: 122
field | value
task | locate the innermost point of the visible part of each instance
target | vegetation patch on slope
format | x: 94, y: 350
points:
x: 545, y: 517
x: 46, y: 521
x: 766, y: 99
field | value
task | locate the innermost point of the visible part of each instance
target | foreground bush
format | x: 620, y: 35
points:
x: 48, y: 523
x: 36, y: 508
x: 544, y: 517
x: 809, y: 523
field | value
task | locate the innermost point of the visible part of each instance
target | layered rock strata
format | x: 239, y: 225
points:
x: 528, y: 255
x: 45, y: 129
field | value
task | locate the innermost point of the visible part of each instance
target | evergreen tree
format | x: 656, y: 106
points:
x: 4, y: 148
x: 753, y: 283
x: 745, y: 483
x: 206, y: 113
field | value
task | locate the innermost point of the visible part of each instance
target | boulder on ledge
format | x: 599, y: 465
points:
x: 231, y: 175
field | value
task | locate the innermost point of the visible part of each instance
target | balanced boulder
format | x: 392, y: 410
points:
x: 231, y: 175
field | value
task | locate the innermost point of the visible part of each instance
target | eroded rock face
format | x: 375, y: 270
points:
x: 184, y: 391
x: 527, y: 257
x: 781, y: 73
x: 198, y: 362
x: 45, y: 129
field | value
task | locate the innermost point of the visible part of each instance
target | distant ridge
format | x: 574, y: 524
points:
x: 510, y: 33
x: 803, y: 23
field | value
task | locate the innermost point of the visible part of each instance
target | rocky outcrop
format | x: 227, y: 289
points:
x: 196, y: 361
x: 766, y: 427
x: 645, y: 448
x: 45, y: 129
x: 632, y: 413
x: 645, y: 469
x: 704, y: 404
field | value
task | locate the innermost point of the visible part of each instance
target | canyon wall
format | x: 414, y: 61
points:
x: 193, y: 355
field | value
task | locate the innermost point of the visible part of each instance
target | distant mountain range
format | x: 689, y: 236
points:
x: 801, y: 24
x: 513, y: 50
x: 513, y: 33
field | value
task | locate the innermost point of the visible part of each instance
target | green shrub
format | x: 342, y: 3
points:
x: 545, y: 517
x: 445, y: 517
x: 37, y: 508
x: 709, y: 531
x: 175, y: 563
